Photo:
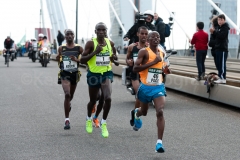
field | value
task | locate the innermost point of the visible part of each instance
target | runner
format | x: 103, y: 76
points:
x: 131, y: 57
x: 98, y: 53
x: 68, y: 58
x: 149, y: 65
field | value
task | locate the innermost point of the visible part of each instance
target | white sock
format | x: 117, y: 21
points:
x: 103, y: 121
x: 89, y: 118
x: 67, y: 119
x: 159, y: 141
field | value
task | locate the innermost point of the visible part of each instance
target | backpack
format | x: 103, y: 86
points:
x: 167, y: 30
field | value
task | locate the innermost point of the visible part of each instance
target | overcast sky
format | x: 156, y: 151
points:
x: 18, y: 16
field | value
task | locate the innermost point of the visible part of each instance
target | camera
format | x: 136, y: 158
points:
x: 140, y: 16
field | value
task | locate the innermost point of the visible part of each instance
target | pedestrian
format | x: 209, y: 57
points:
x: 221, y: 47
x: 200, y: 41
x: 160, y: 28
x: 54, y: 49
x: 212, y: 40
x: 60, y: 38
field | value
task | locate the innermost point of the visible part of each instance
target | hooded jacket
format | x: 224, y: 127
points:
x: 221, y: 37
x: 160, y: 28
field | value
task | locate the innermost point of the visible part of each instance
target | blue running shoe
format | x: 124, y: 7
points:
x: 137, y: 122
x: 159, y: 148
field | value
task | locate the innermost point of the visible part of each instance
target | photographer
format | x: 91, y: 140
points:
x: 144, y: 19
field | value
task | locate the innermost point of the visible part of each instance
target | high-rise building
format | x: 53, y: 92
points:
x: 204, y: 12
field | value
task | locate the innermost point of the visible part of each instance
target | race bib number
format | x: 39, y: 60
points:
x: 135, y: 56
x: 102, y: 59
x: 154, y: 76
x: 68, y: 63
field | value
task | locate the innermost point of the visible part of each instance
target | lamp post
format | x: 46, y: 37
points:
x: 76, y: 37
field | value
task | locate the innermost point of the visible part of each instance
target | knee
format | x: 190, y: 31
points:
x: 108, y: 99
x: 67, y: 95
x: 160, y: 113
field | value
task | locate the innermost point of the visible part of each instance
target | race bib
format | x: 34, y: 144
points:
x: 102, y: 59
x: 68, y: 63
x: 135, y: 56
x: 154, y: 76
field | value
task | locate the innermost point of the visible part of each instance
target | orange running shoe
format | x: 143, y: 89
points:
x: 94, y: 108
x: 96, y: 122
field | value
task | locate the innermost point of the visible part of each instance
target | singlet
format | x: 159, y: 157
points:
x: 135, y: 53
x: 100, y: 62
x: 153, y: 74
x: 66, y: 64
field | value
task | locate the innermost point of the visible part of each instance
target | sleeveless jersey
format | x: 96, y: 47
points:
x: 153, y: 74
x: 66, y: 64
x: 100, y: 62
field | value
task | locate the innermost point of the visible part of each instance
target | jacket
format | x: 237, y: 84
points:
x: 200, y: 40
x: 8, y: 44
x: 160, y: 28
x: 221, y: 37
x: 132, y: 32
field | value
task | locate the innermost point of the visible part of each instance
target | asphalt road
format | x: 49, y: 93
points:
x: 32, y: 120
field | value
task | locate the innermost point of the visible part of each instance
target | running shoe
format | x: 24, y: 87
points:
x: 105, y: 133
x: 137, y: 121
x: 67, y: 125
x: 132, y: 117
x: 89, y: 127
x: 96, y: 122
x: 159, y: 148
x: 94, y: 108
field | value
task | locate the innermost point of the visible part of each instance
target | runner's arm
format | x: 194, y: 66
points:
x: 129, y: 59
x: 88, y: 52
x: 114, y: 55
x: 138, y: 65
x: 59, y: 53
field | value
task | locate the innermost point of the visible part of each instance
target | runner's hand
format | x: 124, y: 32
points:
x: 158, y: 58
x: 73, y: 58
x: 98, y: 49
x: 130, y: 62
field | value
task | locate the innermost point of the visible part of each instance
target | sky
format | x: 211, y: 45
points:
x: 22, y: 16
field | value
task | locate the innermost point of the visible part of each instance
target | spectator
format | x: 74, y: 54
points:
x: 147, y: 22
x: 212, y: 40
x: 60, y: 38
x: 200, y: 41
x: 54, y: 49
x: 160, y: 28
x: 221, y: 47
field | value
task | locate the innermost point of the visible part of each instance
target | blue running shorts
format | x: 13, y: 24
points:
x: 148, y: 93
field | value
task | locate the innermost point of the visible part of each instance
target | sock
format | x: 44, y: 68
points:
x: 95, y: 116
x: 67, y: 119
x: 103, y: 121
x: 89, y: 118
x: 159, y: 141
x: 136, y: 117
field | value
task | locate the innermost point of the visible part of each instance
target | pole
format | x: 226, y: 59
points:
x: 115, y: 13
x: 172, y: 15
x: 76, y: 37
x: 221, y: 12
x: 134, y: 7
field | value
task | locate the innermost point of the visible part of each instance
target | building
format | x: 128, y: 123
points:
x: 126, y: 14
x: 229, y: 7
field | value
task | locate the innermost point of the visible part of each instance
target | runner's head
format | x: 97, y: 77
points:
x: 69, y: 35
x: 101, y: 30
x: 142, y: 34
x: 153, y: 38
